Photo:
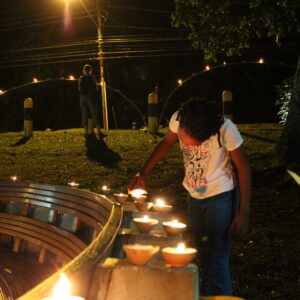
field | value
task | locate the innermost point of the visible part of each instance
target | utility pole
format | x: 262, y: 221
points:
x: 100, y: 55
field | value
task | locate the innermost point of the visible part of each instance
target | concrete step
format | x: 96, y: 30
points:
x: 119, y: 279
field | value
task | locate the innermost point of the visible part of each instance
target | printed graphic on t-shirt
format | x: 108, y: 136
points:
x: 196, y: 160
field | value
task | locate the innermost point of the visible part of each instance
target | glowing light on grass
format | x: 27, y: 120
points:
x: 13, y: 178
x: 261, y: 61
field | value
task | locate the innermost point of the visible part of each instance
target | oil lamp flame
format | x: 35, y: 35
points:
x: 137, y: 193
x: 160, y: 202
x: 63, y: 287
x: 180, y: 248
x: 13, y: 178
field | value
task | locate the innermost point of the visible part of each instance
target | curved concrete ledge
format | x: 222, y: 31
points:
x: 80, y: 269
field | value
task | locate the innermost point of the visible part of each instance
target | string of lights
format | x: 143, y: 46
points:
x: 180, y: 81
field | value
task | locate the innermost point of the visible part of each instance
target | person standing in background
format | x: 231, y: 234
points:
x: 88, y: 89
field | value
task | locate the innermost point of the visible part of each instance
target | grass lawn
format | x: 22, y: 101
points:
x: 265, y: 264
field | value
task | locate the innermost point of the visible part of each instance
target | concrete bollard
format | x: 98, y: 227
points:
x: 227, y: 104
x: 28, y: 117
x: 152, y: 111
x: 133, y: 126
x: 90, y: 127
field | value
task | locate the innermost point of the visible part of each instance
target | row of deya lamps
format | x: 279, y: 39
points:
x: 178, y: 256
x: 142, y: 254
x: 138, y: 254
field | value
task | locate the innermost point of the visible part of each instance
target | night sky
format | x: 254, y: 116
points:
x: 38, y: 41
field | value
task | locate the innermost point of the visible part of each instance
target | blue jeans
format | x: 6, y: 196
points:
x: 210, y: 221
x: 89, y: 108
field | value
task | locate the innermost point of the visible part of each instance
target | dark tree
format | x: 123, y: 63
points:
x: 289, y: 144
x: 228, y: 26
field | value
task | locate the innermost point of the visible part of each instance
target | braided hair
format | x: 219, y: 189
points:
x: 200, y: 119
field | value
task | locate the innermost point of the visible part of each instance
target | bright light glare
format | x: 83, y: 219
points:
x: 145, y: 218
x: 180, y: 248
x: 63, y: 287
x: 160, y: 202
x: 137, y: 193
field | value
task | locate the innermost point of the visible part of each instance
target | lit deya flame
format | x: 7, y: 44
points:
x: 13, y: 178
x: 63, y: 287
x: 145, y: 218
x: 137, y: 193
x: 160, y: 202
x: 180, y: 248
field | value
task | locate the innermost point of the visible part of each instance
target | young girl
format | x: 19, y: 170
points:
x: 208, y: 143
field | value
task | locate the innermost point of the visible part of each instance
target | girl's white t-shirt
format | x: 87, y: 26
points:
x: 208, y: 170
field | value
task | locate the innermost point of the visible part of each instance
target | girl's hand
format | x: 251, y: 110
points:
x: 239, y: 225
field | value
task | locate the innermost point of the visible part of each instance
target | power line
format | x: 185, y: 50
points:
x: 150, y: 10
x: 107, y: 42
x: 96, y: 59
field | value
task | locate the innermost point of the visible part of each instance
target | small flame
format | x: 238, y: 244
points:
x: 145, y: 218
x: 261, y: 61
x: 179, y: 81
x: 63, y: 287
x: 105, y: 188
x: 34, y: 79
x: 137, y: 193
x: 160, y: 202
x: 207, y: 68
x: 13, y: 178
x: 180, y: 248
x: 71, y: 77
